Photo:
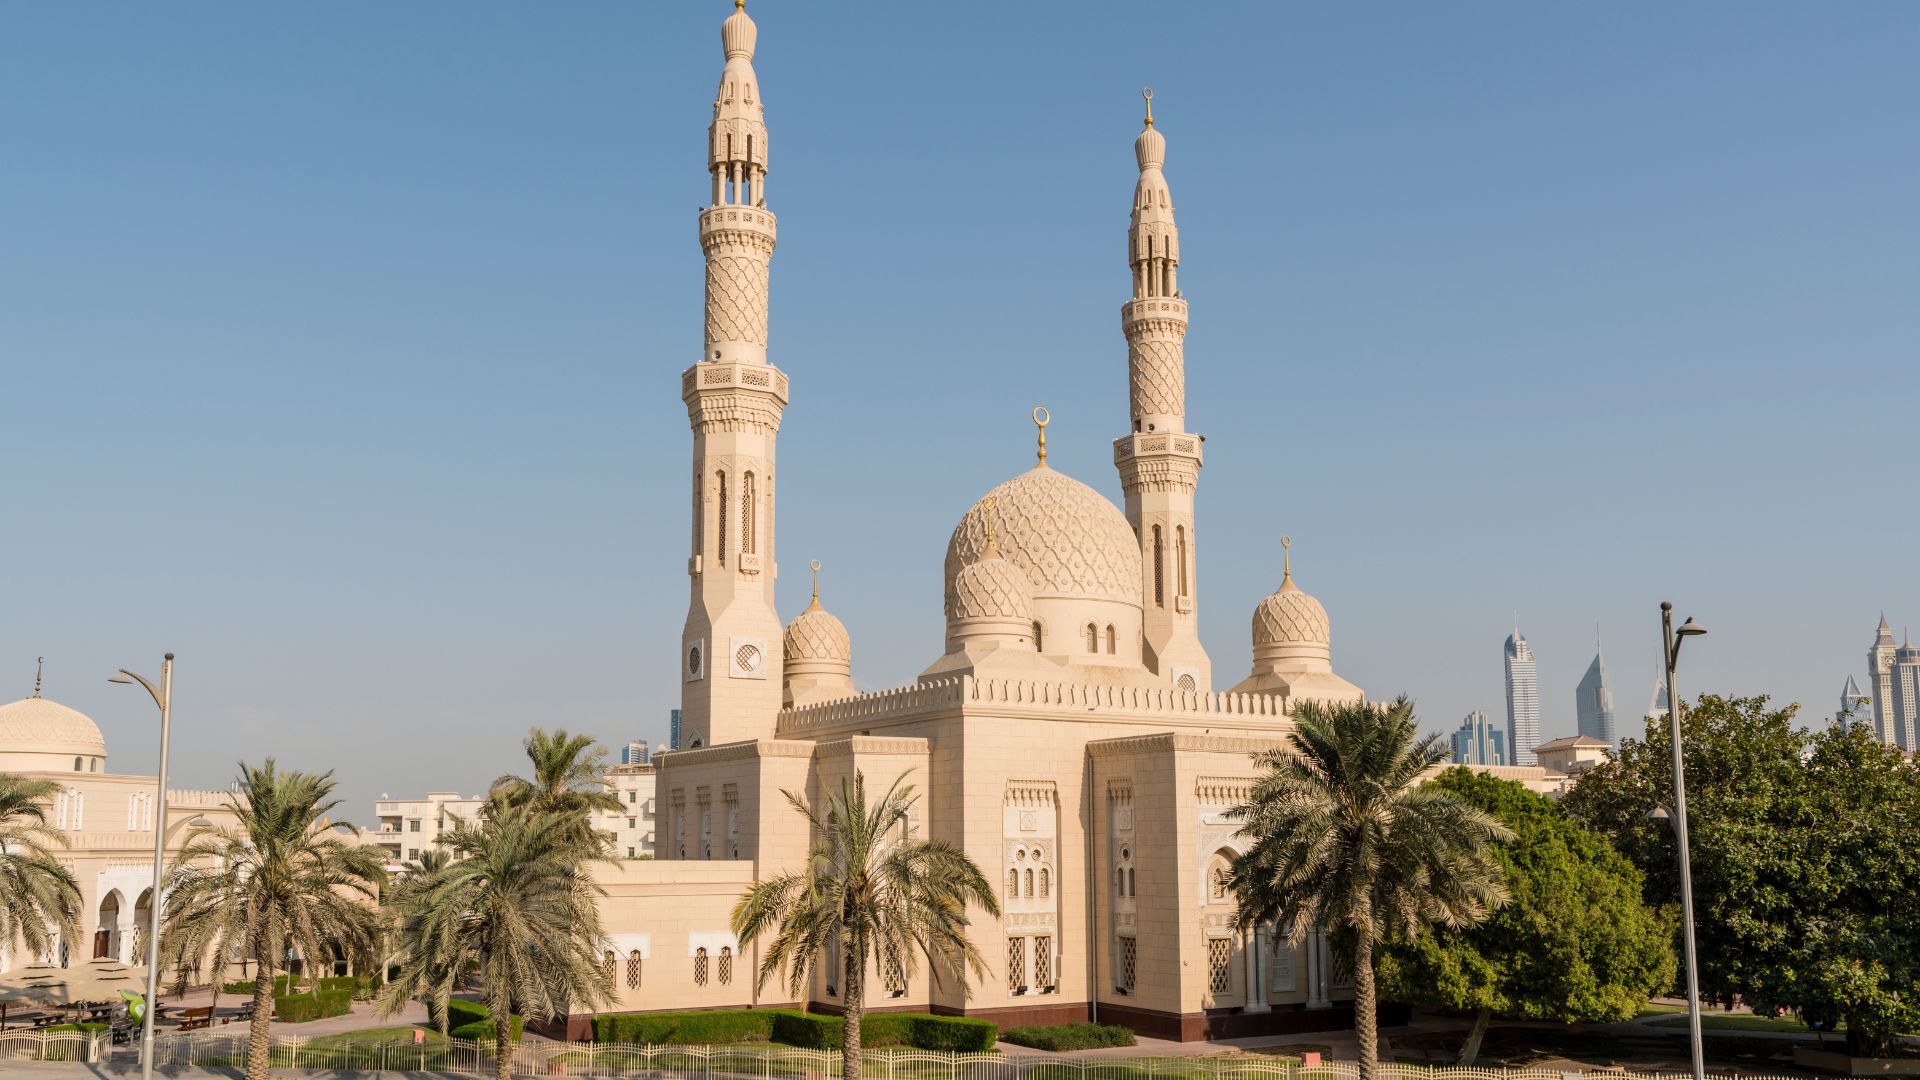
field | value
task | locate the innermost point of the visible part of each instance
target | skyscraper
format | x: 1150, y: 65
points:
x: 1657, y: 707
x: 1478, y: 742
x: 1856, y: 707
x: 1593, y: 701
x: 1894, y: 672
x: 1523, y: 700
x: 634, y: 753
x: 1880, y: 677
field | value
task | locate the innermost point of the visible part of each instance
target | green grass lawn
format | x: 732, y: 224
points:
x: 1654, y: 1008
x: 1737, y: 1022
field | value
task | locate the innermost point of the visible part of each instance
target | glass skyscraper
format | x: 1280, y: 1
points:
x: 1593, y: 701
x: 1523, y: 700
x: 1478, y: 742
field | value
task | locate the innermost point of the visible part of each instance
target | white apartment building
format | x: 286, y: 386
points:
x: 407, y: 827
x: 632, y: 828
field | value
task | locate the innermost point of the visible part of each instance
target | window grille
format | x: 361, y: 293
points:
x: 1129, y: 958
x: 700, y: 967
x: 726, y: 965
x: 1016, y: 964
x: 1159, y: 569
x: 1219, y: 964
x: 1043, y: 882
x: 611, y: 964
x: 1013, y: 883
x: 1043, y: 963
x: 895, y: 975
x: 633, y: 970
x: 746, y: 513
x: 1029, y: 883
x: 722, y: 545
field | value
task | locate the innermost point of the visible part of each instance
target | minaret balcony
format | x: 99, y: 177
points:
x: 713, y: 377
x: 1157, y: 444
x: 1151, y: 309
x: 716, y: 222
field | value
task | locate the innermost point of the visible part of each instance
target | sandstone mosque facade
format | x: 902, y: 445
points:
x: 1070, y: 737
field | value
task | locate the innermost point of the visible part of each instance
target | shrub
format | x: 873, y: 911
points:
x: 958, y: 1034
x: 300, y: 1008
x: 1059, y: 1037
x: 812, y: 1031
x: 689, y: 1028
x: 473, y: 1020
x: 282, y: 986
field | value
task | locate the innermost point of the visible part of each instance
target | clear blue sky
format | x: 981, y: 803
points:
x: 341, y: 342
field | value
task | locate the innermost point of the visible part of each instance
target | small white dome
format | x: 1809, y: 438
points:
x: 37, y: 726
x: 816, y: 636
x: 1291, y: 631
x: 991, y: 588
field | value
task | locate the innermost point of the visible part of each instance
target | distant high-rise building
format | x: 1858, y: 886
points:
x: 673, y: 731
x: 1593, y: 701
x: 1478, y: 742
x: 634, y: 753
x: 1523, y: 700
x: 1880, y: 678
x: 1856, y: 707
x: 1657, y: 707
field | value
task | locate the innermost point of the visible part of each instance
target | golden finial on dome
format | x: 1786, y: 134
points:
x: 1147, y: 92
x: 1041, y: 418
x: 815, y: 567
x: 1286, y: 554
x: 739, y: 5
x: 39, y: 669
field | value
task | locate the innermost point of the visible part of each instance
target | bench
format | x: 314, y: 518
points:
x: 196, y: 1018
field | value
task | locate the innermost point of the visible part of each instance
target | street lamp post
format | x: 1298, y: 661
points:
x: 162, y: 697
x: 1670, y: 641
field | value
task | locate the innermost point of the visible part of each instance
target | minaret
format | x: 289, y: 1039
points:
x: 730, y: 655
x: 1159, y: 460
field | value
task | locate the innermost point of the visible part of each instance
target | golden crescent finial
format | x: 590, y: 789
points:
x: 1041, y: 418
x: 1286, y: 549
x: 39, y: 669
x: 1147, y: 93
x: 815, y: 567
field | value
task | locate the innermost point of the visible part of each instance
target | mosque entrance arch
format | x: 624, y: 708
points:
x: 106, y: 936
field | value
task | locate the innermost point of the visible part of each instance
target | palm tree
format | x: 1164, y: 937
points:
x: 1343, y: 836
x: 279, y: 877
x: 516, y: 910
x: 39, y: 899
x: 569, y: 778
x: 874, y: 890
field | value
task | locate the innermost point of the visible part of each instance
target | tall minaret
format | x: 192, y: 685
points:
x: 730, y: 662
x: 1159, y: 460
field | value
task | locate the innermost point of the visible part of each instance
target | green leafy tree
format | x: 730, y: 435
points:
x: 514, y: 909
x: 1747, y: 797
x: 1343, y: 835
x: 1575, y: 943
x: 568, y: 778
x: 280, y: 877
x: 39, y: 897
x: 876, y: 892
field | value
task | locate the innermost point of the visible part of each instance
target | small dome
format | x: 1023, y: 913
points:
x: 1291, y: 618
x: 738, y: 34
x: 815, y: 635
x: 991, y: 588
x: 1065, y: 538
x: 37, y: 726
x: 1150, y: 149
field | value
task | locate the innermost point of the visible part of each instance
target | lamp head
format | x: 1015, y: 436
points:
x: 1690, y: 629
x: 122, y: 678
x: 1666, y: 605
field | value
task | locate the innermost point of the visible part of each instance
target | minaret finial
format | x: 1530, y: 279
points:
x: 739, y: 5
x: 815, y: 567
x: 1286, y: 553
x: 1041, y: 418
x: 39, y: 669
x: 1147, y: 93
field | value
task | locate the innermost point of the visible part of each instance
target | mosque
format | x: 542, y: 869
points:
x: 1071, y: 737
x: 107, y: 820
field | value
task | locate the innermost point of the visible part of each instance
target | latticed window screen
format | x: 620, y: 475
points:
x: 895, y: 975
x: 1219, y: 964
x: 700, y: 967
x: 1016, y: 963
x: 1043, y: 963
x: 612, y: 965
x: 1044, y: 883
x: 726, y: 965
x: 1013, y: 883
x: 1129, y: 958
x: 1029, y: 882
x: 633, y: 970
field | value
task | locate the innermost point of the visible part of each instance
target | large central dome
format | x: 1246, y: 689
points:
x: 1065, y: 536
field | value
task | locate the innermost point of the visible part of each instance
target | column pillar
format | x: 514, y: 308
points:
x: 1256, y: 972
x: 1316, y: 971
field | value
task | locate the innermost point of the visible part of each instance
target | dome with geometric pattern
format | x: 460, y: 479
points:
x: 1291, y: 625
x: 1064, y: 537
x: 992, y: 588
x: 815, y: 635
x: 46, y: 736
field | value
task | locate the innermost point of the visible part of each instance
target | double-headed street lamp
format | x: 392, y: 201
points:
x: 1670, y: 639
x: 162, y: 697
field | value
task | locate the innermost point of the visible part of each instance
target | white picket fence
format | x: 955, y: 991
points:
x: 758, y: 1061
x: 24, y: 1045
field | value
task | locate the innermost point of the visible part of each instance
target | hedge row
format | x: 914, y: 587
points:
x: 473, y: 1020
x: 1060, y: 1037
x: 794, y: 1028
x: 302, y: 1007
x: 282, y: 986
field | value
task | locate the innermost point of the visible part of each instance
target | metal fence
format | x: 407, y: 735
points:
x: 22, y: 1045
x: 745, y: 1062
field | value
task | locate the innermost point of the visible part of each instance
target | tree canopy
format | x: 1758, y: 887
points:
x: 1575, y: 942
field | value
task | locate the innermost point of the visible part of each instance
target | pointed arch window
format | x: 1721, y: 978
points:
x: 1180, y: 559
x: 1093, y: 638
x: 1013, y: 883
x: 1159, y: 569
x: 726, y: 965
x: 700, y: 966
x: 633, y: 969
x: 722, y: 545
x: 1112, y: 639
x: 1036, y: 635
x: 1045, y: 883
x: 1029, y: 882
x: 746, y: 514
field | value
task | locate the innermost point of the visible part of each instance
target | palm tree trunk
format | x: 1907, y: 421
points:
x: 257, y: 1045
x: 856, y: 1009
x: 1471, y: 1051
x: 502, y: 1041
x: 1365, y: 1017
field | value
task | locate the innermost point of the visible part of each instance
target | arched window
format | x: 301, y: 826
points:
x: 1133, y: 885
x: 1119, y: 881
x: 1029, y: 882
x: 700, y: 966
x: 611, y: 964
x: 1112, y: 639
x: 79, y: 765
x: 1043, y: 882
x: 1159, y: 564
x: 722, y: 545
x: 1093, y: 638
x: 726, y: 965
x: 1180, y: 557
x: 1013, y: 883
x: 1036, y: 635
x: 633, y: 970
x: 746, y: 513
